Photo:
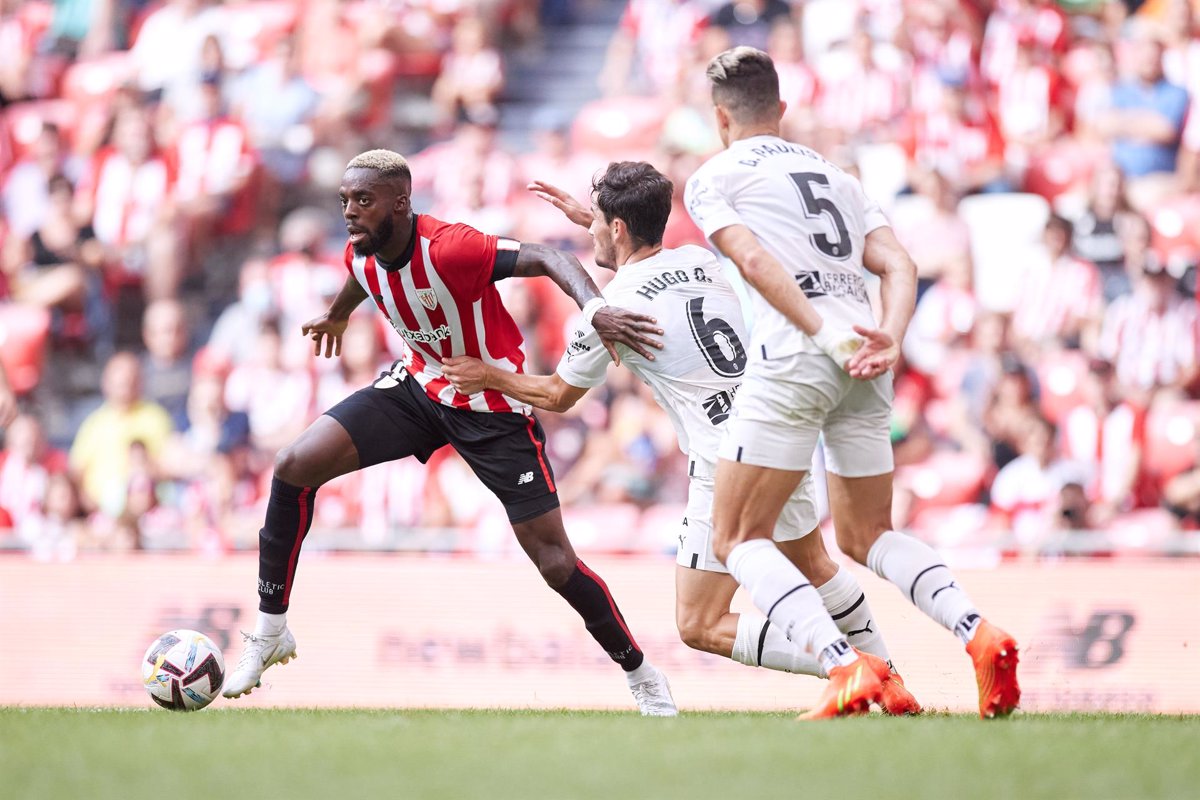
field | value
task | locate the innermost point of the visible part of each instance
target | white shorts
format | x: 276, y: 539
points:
x: 797, y: 520
x: 785, y: 404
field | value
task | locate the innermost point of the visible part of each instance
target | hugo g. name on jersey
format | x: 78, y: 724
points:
x: 809, y: 214
x: 696, y: 374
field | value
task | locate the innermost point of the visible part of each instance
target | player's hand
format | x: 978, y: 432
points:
x: 877, y: 354
x: 327, y: 332
x: 467, y: 375
x: 574, y: 210
x: 840, y: 344
x: 635, y: 331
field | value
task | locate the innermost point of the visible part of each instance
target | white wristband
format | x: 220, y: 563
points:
x: 839, y: 345
x: 591, y: 307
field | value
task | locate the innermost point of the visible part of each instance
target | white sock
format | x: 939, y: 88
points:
x: 847, y: 604
x: 761, y: 644
x: 643, y: 673
x: 781, y: 591
x: 918, y: 571
x: 270, y: 624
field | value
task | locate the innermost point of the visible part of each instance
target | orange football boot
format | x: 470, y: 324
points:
x: 850, y: 692
x: 995, y: 655
x: 896, y: 700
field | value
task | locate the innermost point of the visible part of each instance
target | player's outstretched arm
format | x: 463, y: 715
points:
x: 547, y: 392
x: 615, y: 325
x: 769, y: 277
x: 571, y: 208
x: 328, y: 328
x: 887, y: 258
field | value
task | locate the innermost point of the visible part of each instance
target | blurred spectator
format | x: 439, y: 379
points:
x: 277, y: 399
x: 1150, y: 335
x: 472, y: 73
x: 1027, y: 490
x: 26, y: 464
x: 470, y: 171
x: 929, y: 227
x: 1060, y: 302
x: 1029, y: 103
x: 943, y: 318
x: 650, y: 45
x: 302, y: 281
x: 55, y: 531
x: 103, y: 455
x: 27, y: 186
x: 167, y: 364
x: 8, y: 401
x: 280, y: 130
x: 749, y: 22
x: 1147, y: 119
x: 363, y: 358
x: 169, y: 49
x: 860, y: 97
x: 1181, y: 495
x: 127, y: 196
x: 1109, y: 431
x: 798, y: 86
x: 1006, y: 416
x: 59, y: 268
x: 241, y: 320
x: 1039, y: 21
x: 17, y: 41
x: 961, y: 141
x: 1096, y: 234
x: 215, y: 163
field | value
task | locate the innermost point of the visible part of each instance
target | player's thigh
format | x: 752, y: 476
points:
x: 389, y: 420
x: 858, y: 440
x: 779, y: 411
x: 507, y: 452
x: 747, y: 502
x: 861, y: 509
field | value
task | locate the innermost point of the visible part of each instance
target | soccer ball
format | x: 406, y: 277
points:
x: 183, y: 670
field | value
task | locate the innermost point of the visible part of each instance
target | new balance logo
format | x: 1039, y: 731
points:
x: 525, y: 477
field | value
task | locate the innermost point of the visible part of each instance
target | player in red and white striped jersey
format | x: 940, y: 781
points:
x: 434, y: 281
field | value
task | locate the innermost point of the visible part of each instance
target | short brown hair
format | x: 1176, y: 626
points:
x: 637, y: 194
x: 745, y: 83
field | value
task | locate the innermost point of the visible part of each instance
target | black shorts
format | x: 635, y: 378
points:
x: 506, y: 450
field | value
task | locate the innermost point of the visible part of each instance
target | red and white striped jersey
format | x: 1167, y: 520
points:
x: 1057, y: 299
x: 1150, y: 347
x: 442, y: 301
x: 854, y: 97
x: 1025, y: 101
x: 214, y: 156
x: 128, y: 198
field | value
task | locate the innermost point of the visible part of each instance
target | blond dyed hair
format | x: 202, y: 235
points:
x: 387, y: 163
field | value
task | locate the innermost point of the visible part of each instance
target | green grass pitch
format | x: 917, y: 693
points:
x: 229, y: 754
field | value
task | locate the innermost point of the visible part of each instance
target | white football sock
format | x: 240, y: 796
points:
x: 761, y: 644
x: 643, y: 673
x: 781, y: 591
x: 918, y: 572
x: 270, y: 624
x: 847, y: 604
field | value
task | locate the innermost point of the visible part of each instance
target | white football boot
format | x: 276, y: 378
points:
x: 653, y: 696
x: 261, y: 652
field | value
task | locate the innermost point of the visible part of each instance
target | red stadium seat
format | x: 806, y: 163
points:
x: 619, y: 124
x: 1061, y: 168
x: 1176, y: 228
x: 1060, y: 378
x: 944, y: 479
x: 96, y: 80
x: 23, y: 334
x: 24, y: 122
x: 1171, y: 439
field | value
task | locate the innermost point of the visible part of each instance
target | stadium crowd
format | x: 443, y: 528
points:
x: 168, y: 177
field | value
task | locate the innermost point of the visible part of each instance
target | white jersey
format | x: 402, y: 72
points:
x: 806, y: 212
x: 696, y: 374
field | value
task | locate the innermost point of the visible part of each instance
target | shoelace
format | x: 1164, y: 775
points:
x: 253, y: 646
x: 649, y: 692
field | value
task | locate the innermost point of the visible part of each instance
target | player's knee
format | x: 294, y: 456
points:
x: 291, y: 466
x: 695, y: 633
x: 856, y: 542
x: 554, y: 564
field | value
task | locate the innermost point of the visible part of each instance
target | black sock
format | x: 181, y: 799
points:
x: 289, y: 516
x: 589, y: 596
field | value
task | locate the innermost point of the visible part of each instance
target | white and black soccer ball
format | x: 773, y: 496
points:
x: 183, y: 670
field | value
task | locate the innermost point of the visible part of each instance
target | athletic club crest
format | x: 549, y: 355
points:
x: 428, y: 298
